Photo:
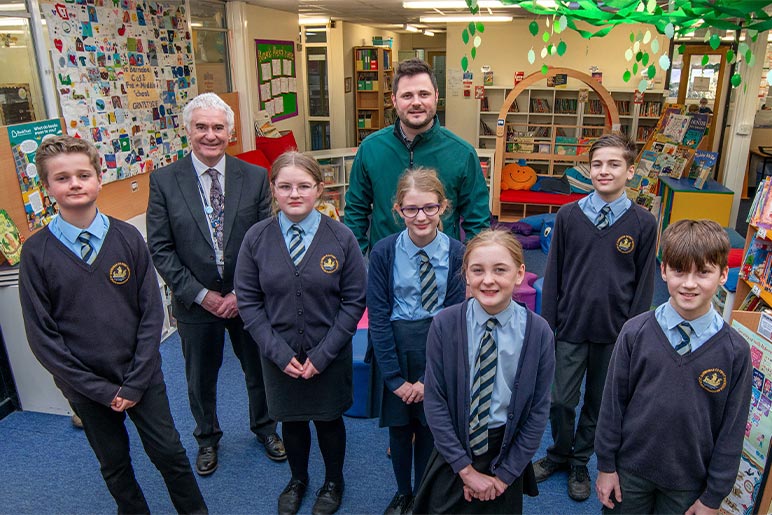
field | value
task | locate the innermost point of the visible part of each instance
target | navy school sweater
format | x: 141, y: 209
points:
x: 96, y: 328
x: 677, y: 421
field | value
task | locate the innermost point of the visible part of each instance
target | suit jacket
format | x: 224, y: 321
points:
x: 178, y: 230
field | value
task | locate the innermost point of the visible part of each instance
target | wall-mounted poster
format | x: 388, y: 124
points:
x: 124, y: 71
x: 276, y: 78
x: 25, y: 139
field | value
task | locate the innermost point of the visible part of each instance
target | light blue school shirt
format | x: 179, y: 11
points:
x: 703, y: 328
x: 310, y: 224
x: 68, y: 233
x: 509, y: 335
x: 406, y: 278
x: 592, y: 204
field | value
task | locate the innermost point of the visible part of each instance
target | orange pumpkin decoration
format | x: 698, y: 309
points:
x: 517, y: 176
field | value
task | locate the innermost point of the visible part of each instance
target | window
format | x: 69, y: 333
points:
x: 210, y: 47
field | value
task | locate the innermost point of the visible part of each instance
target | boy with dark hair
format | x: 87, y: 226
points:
x: 93, y: 315
x: 599, y: 274
x: 678, y: 390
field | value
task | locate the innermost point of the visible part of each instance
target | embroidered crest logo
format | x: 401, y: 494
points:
x: 119, y: 273
x: 625, y: 244
x: 713, y: 380
x: 329, y: 263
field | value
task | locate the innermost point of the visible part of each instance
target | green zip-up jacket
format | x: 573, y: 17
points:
x: 383, y: 156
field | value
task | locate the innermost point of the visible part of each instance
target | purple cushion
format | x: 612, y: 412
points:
x: 529, y: 242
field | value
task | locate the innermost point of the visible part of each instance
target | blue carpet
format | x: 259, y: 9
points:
x: 48, y: 466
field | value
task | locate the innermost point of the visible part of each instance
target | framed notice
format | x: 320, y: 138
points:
x: 276, y: 77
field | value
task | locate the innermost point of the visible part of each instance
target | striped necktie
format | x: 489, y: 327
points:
x: 685, y: 330
x: 482, y: 390
x: 602, y: 221
x: 296, y: 247
x: 87, y: 250
x: 217, y: 202
x: 429, y: 294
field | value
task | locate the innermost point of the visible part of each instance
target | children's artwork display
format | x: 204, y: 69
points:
x: 10, y: 240
x: 25, y: 138
x: 276, y: 77
x: 123, y: 71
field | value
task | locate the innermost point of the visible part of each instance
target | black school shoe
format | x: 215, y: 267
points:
x: 291, y: 497
x: 328, y: 498
x: 579, y: 483
x: 274, y: 447
x: 399, y: 505
x: 206, y: 462
x: 545, y: 467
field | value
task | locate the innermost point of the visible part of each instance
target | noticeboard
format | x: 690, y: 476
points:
x: 277, y: 79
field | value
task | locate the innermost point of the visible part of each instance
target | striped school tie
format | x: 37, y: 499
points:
x: 685, y: 330
x: 602, y: 221
x: 482, y: 390
x: 87, y: 251
x: 296, y: 248
x: 429, y: 294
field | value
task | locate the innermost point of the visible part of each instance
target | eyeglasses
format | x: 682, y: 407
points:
x: 412, y: 211
x: 303, y: 189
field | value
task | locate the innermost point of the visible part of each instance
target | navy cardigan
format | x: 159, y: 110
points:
x: 447, y: 397
x: 380, y: 301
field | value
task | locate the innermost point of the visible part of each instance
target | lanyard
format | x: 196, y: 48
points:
x: 208, y: 210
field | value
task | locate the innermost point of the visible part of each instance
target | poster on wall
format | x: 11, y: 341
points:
x: 25, y: 139
x: 758, y: 428
x: 123, y: 71
x: 276, y: 78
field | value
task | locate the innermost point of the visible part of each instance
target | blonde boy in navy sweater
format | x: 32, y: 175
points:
x: 676, y: 400
x: 93, y: 316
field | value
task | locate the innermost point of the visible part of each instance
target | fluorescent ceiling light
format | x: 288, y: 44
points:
x: 411, y: 28
x: 454, y: 4
x: 195, y: 24
x: 13, y: 22
x: 428, y: 33
x: 314, y: 20
x: 13, y: 7
x: 464, y: 19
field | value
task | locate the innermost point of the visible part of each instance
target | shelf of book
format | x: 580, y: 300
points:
x: 754, y: 287
x: 373, y: 73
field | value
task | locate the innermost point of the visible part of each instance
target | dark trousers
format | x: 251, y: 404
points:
x: 202, y: 347
x: 108, y: 437
x: 572, y: 361
x: 407, y: 454
x: 641, y: 496
x: 332, y: 443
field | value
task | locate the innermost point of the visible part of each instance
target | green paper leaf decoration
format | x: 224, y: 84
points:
x: 550, y: 49
x: 626, y: 76
x: 545, y: 37
x: 748, y: 56
x: 629, y: 54
x: 473, y: 52
x: 655, y: 46
x: 533, y: 28
x: 681, y: 49
x: 705, y: 60
x: 544, y: 69
x: 635, y: 68
x: 645, y: 59
x: 632, y: 37
x: 477, y: 41
x: 480, y: 26
x: 472, y: 28
x: 465, y: 64
x: 562, y: 48
x: 475, y: 9
x: 531, y: 56
x: 465, y: 36
x: 547, y: 22
x: 708, y: 35
x: 556, y: 28
x: 742, y: 47
x: 637, y: 46
x: 715, y: 41
x: 754, y: 37
x: 543, y: 52
x: 669, y: 31
x: 730, y: 56
x: 639, y: 56
x: 563, y: 23
x: 647, y: 37
x: 651, y: 5
x: 651, y: 71
x: 664, y: 62
x: 643, y: 85
x: 751, y: 60
x: 736, y: 80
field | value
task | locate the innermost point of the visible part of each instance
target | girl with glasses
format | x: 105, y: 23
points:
x: 300, y: 282
x: 413, y: 275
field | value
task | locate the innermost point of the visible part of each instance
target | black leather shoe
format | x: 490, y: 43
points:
x: 579, y: 483
x: 274, y: 447
x: 291, y: 497
x: 399, y: 505
x: 206, y: 463
x: 328, y: 498
x: 545, y: 467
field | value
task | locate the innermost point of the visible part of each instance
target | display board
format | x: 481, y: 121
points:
x: 277, y: 78
x: 123, y: 71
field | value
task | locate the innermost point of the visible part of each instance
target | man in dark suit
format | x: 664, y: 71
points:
x: 200, y: 207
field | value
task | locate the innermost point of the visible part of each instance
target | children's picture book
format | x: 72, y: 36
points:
x: 758, y: 201
x: 675, y: 127
x: 10, y: 239
x: 698, y: 124
x: 565, y: 145
x: 670, y: 109
x: 702, y: 167
x: 754, y: 264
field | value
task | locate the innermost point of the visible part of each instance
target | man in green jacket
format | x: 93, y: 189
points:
x: 416, y: 139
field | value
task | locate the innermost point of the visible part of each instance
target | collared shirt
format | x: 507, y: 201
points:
x: 509, y: 335
x: 205, y: 181
x: 406, y: 278
x: 68, y: 233
x: 409, y: 142
x: 310, y: 224
x: 703, y: 328
x: 592, y: 204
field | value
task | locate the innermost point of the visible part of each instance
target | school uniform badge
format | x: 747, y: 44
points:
x: 329, y: 263
x: 712, y: 380
x: 119, y: 273
x: 625, y: 244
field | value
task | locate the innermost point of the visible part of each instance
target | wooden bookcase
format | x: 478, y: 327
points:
x: 373, y: 71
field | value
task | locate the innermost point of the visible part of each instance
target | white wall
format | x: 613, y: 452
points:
x: 18, y: 67
x: 505, y: 48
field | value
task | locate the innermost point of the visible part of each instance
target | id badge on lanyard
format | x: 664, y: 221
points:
x: 219, y: 256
